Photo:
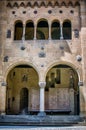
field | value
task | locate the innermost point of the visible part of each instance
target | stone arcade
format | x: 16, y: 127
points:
x: 42, y: 57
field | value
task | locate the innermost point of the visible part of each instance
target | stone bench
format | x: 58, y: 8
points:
x: 52, y: 112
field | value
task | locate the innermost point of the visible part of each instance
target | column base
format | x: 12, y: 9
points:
x: 61, y: 38
x: 41, y: 114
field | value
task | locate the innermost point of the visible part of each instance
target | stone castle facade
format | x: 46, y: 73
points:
x: 42, y: 56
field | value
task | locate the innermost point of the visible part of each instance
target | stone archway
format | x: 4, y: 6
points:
x: 61, y: 91
x: 22, y: 84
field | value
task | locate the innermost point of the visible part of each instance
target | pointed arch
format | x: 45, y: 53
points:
x: 63, y: 4
x: 42, y: 4
x: 70, y: 3
x: 9, y: 5
x: 22, y: 4
x: 15, y: 5
x: 77, y: 3
x: 29, y: 4
x: 56, y: 4
x: 36, y: 4
x: 50, y: 4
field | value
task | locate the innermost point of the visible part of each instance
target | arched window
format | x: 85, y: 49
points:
x: 55, y: 30
x: 29, y: 31
x: 42, y: 30
x: 18, y: 30
x: 67, y: 34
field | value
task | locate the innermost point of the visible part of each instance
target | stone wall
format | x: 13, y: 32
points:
x: 53, y: 54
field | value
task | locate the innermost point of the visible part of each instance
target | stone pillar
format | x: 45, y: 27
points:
x: 35, y: 28
x: 71, y: 93
x: 3, y: 98
x: 49, y: 31
x: 61, y: 31
x: 82, y: 91
x: 23, y: 35
x: 42, y: 102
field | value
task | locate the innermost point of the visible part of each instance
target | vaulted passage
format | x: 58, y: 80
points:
x: 61, y: 91
x: 22, y: 94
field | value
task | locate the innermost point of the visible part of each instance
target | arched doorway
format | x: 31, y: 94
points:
x: 61, y: 91
x: 24, y: 100
x: 22, y: 93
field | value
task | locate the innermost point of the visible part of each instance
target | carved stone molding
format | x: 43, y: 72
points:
x: 42, y: 84
x: 40, y: 3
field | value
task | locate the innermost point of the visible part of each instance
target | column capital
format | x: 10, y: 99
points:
x: 42, y: 84
x: 24, y: 25
x: 35, y: 24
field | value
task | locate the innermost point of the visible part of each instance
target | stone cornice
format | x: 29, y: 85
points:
x: 39, y: 3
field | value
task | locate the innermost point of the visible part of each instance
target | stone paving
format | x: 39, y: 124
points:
x: 41, y: 128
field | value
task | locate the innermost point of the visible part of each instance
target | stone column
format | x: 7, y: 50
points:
x: 49, y: 31
x: 71, y: 93
x: 35, y: 27
x: 82, y: 90
x: 3, y: 98
x: 42, y: 102
x: 23, y: 35
x: 61, y: 31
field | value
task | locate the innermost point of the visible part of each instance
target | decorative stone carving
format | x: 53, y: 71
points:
x: 76, y: 33
x: 22, y: 48
x: 6, y: 59
x: 8, y: 33
x: 24, y: 78
x: 42, y: 84
x: 79, y: 58
x: 42, y: 54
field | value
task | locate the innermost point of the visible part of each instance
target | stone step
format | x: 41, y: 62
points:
x: 40, y: 121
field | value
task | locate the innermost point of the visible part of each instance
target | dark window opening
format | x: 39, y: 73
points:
x: 18, y: 31
x: 29, y: 32
x: 55, y: 31
x: 67, y: 34
x: 42, y: 30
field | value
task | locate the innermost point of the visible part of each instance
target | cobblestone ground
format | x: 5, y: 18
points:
x: 41, y: 128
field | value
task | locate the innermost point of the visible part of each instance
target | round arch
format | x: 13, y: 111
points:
x: 21, y: 76
x: 62, y: 82
x: 42, y: 29
x: 63, y: 62
x: 55, y: 29
x: 11, y: 66
x: 67, y: 29
x: 29, y: 30
x: 18, y: 31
